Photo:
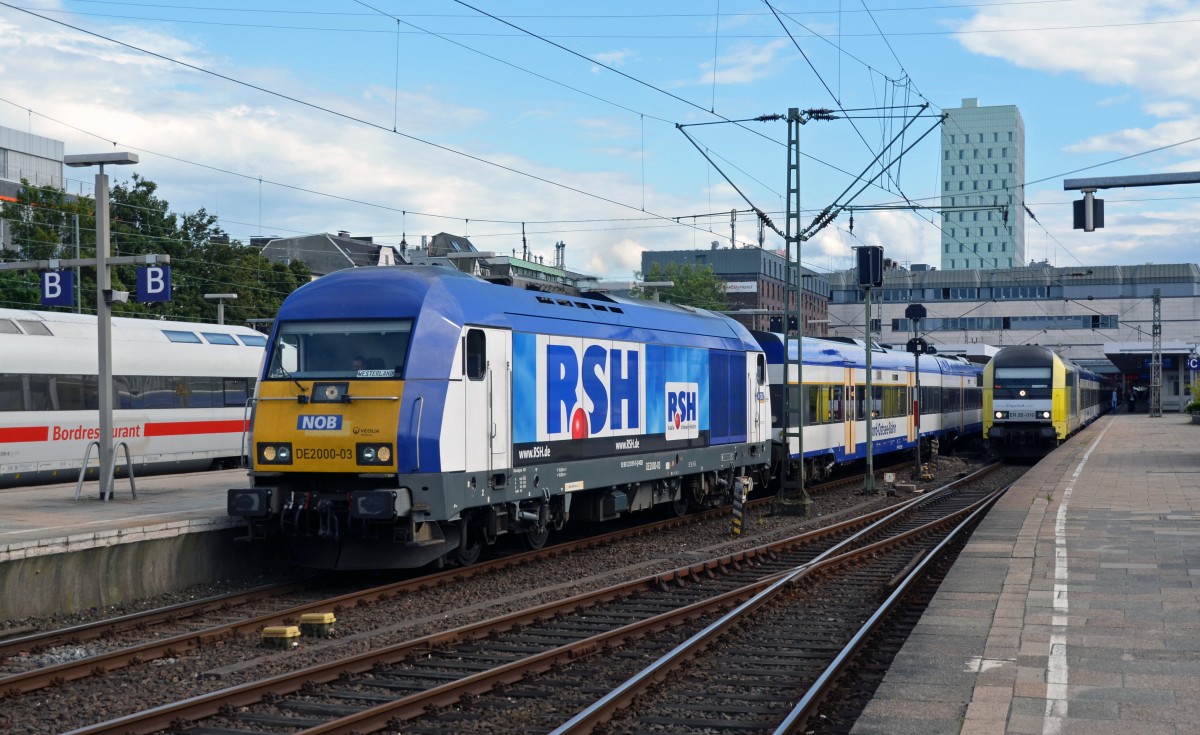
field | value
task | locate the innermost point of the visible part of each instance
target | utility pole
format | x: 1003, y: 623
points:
x: 793, y: 497
x: 915, y: 313
x: 870, y: 275
x: 1156, y: 357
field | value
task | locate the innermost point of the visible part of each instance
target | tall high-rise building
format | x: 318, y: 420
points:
x: 983, y: 190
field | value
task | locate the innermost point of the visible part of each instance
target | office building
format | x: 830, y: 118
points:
x: 983, y: 194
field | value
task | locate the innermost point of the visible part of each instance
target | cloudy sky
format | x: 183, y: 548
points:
x: 391, y: 119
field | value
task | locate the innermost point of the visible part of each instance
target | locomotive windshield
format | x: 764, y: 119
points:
x: 1023, y: 382
x: 358, y: 350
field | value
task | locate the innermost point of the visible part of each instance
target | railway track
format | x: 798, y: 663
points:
x: 35, y: 660
x: 462, y: 680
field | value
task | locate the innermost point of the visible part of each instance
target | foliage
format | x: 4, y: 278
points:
x: 1194, y: 406
x: 202, y: 258
x: 695, y: 285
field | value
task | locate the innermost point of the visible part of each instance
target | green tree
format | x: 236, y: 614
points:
x: 43, y: 223
x: 695, y: 285
x: 203, y: 260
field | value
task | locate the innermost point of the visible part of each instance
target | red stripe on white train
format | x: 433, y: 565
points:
x: 84, y: 433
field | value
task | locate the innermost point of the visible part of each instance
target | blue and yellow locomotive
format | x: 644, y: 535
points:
x: 1033, y: 399
x: 408, y: 415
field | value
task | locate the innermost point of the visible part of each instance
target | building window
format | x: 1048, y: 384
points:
x: 991, y: 152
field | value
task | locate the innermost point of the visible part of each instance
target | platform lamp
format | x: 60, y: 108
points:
x: 221, y: 298
x: 105, y: 297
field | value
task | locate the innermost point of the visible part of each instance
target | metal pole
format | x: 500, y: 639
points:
x: 917, y: 414
x: 869, y: 487
x: 104, y: 331
x: 78, y: 278
x: 220, y: 311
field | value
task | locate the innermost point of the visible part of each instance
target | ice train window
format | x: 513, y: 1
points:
x: 33, y: 327
x: 253, y: 340
x: 179, y: 336
x: 217, y: 338
x: 366, y: 350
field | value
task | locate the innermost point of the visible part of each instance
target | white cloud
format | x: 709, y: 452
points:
x: 1137, y: 140
x: 1148, y: 44
x: 617, y: 57
x: 746, y: 63
x: 149, y: 105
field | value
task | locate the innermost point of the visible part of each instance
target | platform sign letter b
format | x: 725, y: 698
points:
x: 154, y: 283
x: 58, y: 288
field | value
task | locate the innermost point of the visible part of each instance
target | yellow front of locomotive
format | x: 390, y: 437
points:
x: 329, y: 402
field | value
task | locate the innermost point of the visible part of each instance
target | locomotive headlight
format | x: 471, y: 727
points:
x: 1045, y: 414
x: 1001, y: 414
x: 278, y: 453
x: 1021, y: 392
x: 374, y: 454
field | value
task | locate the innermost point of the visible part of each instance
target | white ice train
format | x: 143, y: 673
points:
x: 835, y: 421
x: 179, y: 394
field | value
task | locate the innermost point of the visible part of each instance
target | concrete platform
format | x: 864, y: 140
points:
x: 58, y: 554
x: 1074, y: 609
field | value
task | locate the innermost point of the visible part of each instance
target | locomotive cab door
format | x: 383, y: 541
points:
x: 487, y: 400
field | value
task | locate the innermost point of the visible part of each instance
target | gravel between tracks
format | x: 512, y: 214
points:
x: 365, y: 627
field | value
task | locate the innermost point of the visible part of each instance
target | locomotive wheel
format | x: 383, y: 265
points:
x: 680, y: 504
x: 470, y: 554
x: 536, y: 538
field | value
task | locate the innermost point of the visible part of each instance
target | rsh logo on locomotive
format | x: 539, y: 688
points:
x: 609, y: 403
x: 683, y: 415
x: 331, y: 422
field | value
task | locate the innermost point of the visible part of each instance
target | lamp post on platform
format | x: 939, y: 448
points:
x: 220, y: 298
x: 104, y: 301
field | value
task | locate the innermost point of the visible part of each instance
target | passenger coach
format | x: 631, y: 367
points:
x: 414, y: 414
x: 835, y: 401
x: 180, y: 394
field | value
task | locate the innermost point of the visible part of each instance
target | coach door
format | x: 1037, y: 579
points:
x: 487, y: 403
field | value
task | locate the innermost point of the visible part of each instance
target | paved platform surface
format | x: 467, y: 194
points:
x: 1074, y: 609
x: 47, y: 519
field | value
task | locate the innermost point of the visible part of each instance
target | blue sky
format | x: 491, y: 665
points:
x: 563, y: 115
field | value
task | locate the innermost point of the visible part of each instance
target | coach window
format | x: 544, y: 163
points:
x: 201, y: 392
x: 236, y: 391
x: 476, y: 354
x: 12, y: 393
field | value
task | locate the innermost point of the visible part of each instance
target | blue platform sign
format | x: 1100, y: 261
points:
x: 58, y: 288
x: 154, y: 283
x: 1193, y: 362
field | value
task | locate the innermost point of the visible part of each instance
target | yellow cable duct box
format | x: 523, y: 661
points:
x: 317, y: 624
